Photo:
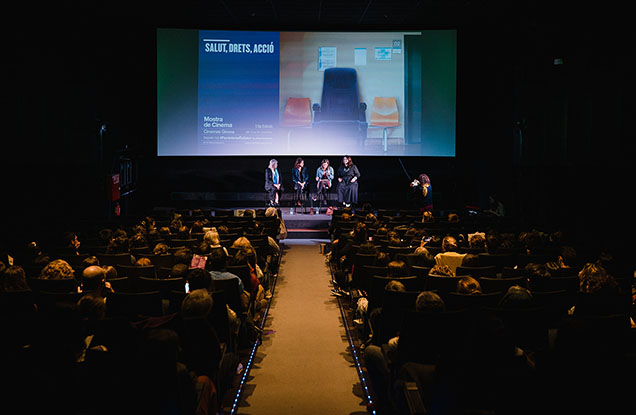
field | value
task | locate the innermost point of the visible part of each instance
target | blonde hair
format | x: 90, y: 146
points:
x: 212, y: 237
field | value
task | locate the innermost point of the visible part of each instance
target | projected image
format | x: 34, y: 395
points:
x: 305, y: 93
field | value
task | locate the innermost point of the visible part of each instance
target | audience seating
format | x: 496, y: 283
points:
x: 135, y: 306
x: 114, y: 259
x: 489, y: 284
x: 476, y: 272
x: 53, y: 285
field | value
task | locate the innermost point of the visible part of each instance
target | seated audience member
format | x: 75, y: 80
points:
x: 468, y: 285
x: 13, y: 279
x: 216, y: 266
x: 57, y: 269
x: 537, y: 276
x: 397, y: 269
x: 378, y: 358
x: 441, y: 271
x: 199, y: 278
x: 161, y: 380
x: 516, y: 297
x: 477, y: 241
x: 93, y: 282
x: 211, y: 236
x: 120, y: 244
x: 282, y: 228
x: 161, y: 248
x: 183, y: 255
x: 599, y: 292
x: 179, y: 271
x: 200, y: 345
x: 70, y: 244
x: 424, y: 257
x: 90, y: 260
x: 110, y: 272
x: 427, y: 217
x: 449, y: 255
x: 143, y: 262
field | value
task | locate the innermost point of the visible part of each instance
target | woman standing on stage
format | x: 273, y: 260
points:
x: 348, y: 175
x: 423, y: 192
x: 300, y: 177
x: 273, y: 183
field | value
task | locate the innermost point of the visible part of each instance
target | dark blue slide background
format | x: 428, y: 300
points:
x: 238, y: 90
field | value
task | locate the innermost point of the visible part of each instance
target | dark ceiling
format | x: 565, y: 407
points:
x: 349, y: 14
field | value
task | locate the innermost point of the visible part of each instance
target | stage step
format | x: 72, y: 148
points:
x: 305, y: 225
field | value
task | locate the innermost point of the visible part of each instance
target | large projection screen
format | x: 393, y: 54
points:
x: 266, y: 93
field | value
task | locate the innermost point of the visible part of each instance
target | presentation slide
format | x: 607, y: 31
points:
x: 265, y: 93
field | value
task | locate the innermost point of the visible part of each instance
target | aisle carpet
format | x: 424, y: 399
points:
x: 303, y: 365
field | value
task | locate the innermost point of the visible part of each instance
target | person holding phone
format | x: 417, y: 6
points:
x: 423, y: 192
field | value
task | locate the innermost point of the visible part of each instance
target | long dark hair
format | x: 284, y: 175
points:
x: 423, y: 178
x: 347, y: 161
x: 297, y: 162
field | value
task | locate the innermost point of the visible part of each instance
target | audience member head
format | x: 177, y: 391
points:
x: 92, y: 280
x: 427, y: 217
x: 199, y: 278
x: 271, y: 211
x: 161, y: 248
x: 138, y: 240
x: 468, y: 285
x: 449, y: 244
x: 183, y: 255
x: 90, y: 260
x: 110, y: 272
x: 594, y: 279
x: 217, y: 259
x: 198, y: 303
x: 212, y: 237
x: 143, y: 262
x: 382, y: 259
x: 394, y: 285
x: 57, y: 269
x: 477, y: 241
x: 202, y: 248
x: 105, y: 236
x: 453, y: 218
x: 516, y: 297
x: 397, y: 269
x: 429, y: 301
x: 179, y: 271
x: 14, y: 279
x: 441, y: 270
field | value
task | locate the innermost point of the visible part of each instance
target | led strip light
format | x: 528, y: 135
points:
x: 352, y: 347
x: 248, y: 366
x: 354, y: 353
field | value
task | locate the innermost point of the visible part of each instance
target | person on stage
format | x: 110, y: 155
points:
x: 300, y: 178
x: 273, y: 183
x: 348, y: 175
x: 423, y: 192
x: 324, y: 178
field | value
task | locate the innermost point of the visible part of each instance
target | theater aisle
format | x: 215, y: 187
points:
x: 304, y: 365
